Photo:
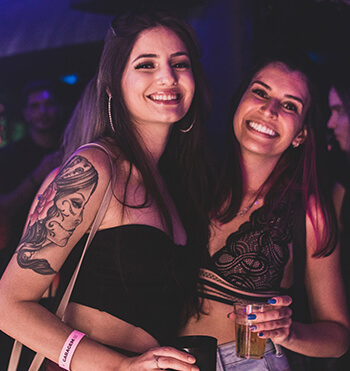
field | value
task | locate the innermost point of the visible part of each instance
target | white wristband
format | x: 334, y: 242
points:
x: 69, y: 348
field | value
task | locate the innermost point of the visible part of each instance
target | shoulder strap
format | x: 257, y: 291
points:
x: 39, y: 358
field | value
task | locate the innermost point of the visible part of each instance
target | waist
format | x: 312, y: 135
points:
x: 214, y: 287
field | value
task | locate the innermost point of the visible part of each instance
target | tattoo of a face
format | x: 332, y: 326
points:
x: 57, y: 214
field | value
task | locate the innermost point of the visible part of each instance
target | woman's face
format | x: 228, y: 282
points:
x: 271, y: 113
x: 339, y: 121
x: 157, y: 84
x: 68, y: 216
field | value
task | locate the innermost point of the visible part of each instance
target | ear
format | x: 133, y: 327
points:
x: 300, y: 138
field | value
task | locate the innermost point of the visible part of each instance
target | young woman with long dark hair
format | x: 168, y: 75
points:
x: 145, y: 113
x: 273, y: 234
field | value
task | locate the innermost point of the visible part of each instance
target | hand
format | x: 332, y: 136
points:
x: 160, y: 358
x: 275, y: 324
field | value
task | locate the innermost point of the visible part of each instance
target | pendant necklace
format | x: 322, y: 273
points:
x: 246, y: 209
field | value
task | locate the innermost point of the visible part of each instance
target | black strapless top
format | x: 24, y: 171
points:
x: 135, y: 273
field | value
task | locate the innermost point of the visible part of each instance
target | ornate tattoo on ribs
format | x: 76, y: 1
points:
x: 57, y: 214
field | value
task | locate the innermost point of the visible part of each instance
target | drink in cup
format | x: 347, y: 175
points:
x: 248, y: 343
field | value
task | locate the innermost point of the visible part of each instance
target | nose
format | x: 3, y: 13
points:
x: 167, y: 76
x: 270, y: 108
x: 332, y: 122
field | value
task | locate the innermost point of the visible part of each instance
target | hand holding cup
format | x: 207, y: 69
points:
x: 256, y: 322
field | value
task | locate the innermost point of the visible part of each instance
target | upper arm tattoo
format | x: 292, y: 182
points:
x: 57, y: 214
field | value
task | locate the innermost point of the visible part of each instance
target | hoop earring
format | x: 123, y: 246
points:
x: 188, y: 129
x: 110, y: 112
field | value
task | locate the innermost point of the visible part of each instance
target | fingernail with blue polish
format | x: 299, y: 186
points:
x: 272, y: 301
x: 252, y: 328
x: 260, y: 334
x: 251, y: 316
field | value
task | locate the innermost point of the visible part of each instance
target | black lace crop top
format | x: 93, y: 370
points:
x: 251, y: 264
x: 137, y: 274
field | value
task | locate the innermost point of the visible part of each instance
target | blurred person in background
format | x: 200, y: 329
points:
x: 339, y: 151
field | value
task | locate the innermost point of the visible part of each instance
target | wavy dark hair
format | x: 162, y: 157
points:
x: 299, y: 171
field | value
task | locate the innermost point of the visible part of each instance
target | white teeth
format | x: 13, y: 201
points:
x: 163, y: 97
x: 262, y: 129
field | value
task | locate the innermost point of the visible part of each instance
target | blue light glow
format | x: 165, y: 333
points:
x: 70, y: 79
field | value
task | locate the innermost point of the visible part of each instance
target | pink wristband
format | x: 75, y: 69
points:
x: 69, y: 348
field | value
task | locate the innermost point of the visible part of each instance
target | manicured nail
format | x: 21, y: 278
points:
x: 251, y: 316
x: 252, y: 328
x: 272, y: 301
x: 260, y: 334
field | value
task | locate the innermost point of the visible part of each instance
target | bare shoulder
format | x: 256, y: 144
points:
x: 315, y: 223
x: 63, y: 211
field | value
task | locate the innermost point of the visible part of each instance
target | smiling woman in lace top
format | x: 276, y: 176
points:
x: 272, y: 187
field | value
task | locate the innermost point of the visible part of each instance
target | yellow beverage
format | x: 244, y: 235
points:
x: 248, y: 344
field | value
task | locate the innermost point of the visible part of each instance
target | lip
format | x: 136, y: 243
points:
x: 261, y: 128
x: 165, y: 97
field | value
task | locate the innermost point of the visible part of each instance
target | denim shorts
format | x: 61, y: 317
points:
x: 228, y: 361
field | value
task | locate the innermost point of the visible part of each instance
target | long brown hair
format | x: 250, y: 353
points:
x: 299, y: 172
x: 186, y: 154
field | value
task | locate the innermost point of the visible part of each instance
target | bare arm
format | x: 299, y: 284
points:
x: 65, y: 207
x: 328, y: 334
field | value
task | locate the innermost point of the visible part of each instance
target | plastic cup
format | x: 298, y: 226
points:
x: 248, y: 343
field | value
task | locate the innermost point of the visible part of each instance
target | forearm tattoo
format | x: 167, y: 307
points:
x: 57, y: 214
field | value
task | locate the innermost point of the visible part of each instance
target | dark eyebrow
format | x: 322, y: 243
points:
x: 155, y: 56
x: 144, y: 56
x: 269, y: 88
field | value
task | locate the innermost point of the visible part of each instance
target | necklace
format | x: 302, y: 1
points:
x: 247, y: 208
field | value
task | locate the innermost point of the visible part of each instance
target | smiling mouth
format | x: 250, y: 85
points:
x: 164, y: 98
x: 260, y: 128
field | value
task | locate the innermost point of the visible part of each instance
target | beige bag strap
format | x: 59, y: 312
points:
x: 17, y: 346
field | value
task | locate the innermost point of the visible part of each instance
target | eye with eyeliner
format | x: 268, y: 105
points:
x: 181, y: 65
x: 261, y: 93
x: 149, y: 65
x: 145, y: 66
x: 290, y: 107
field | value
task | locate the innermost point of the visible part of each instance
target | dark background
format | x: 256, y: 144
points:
x: 232, y: 32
